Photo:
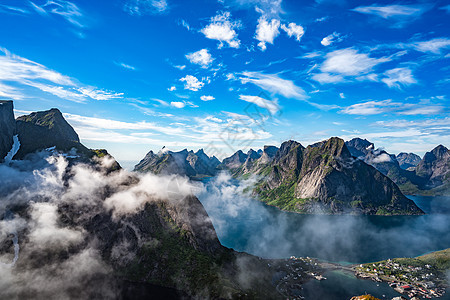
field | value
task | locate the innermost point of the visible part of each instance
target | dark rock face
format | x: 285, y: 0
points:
x: 408, y: 160
x: 325, y: 178
x: 435, y: 167
x: 7, y: 127
x: 385, y: 163
x: 45, y: 129
x: 359, y: 147
x: 185, y: 163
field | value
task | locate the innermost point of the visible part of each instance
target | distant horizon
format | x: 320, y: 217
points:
x: 133, y: 76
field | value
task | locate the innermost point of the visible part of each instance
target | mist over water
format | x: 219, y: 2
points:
x: 245, y: 224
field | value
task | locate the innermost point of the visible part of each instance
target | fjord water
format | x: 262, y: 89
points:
x: 245, y: 224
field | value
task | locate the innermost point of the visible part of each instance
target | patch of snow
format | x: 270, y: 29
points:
x: 15, y: 148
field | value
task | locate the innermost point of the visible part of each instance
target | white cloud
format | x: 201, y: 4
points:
x: 266, y: 32
x: 388, y: 106
x: 192, y: 83
x: 328, y: 40
x: 145, y: 7
x: 342, y: 95
x: 125, y: 66
x: 221, y: 28
x: 271, y: 106
x: 398, y: 76
x: 207, y: 98
x: 343, y: 63
x: 389, y: 11
x: 178, y: 104
x: 172, y: 88
x: 180, y: 67
x: 294, y: 30
x: 274, y: 84
x: 350, y: 62
x: 201, y: 57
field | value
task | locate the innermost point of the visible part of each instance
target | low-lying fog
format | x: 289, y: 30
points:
x: 248, y: 225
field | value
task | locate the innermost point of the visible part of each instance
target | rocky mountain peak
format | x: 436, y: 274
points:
x: 7, y: 127
x: 439, y: 151
x: 360, y: 147
x: 44, y: 129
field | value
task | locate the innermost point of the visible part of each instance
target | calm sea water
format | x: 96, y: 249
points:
x: 245, y: 224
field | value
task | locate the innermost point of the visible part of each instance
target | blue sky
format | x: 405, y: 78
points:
x: 135, y: 75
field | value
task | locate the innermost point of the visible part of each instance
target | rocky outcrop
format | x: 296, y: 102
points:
x: 326, y: 178
x: 184, y: 163
x: 46, y: 129
x: 7, y: 128
x: 408, y: 160
x: 235, y: 161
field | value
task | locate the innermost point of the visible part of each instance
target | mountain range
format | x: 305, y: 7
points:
x: 167, y: 247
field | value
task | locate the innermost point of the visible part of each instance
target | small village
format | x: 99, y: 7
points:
x: 420, y: 281
x: 294, y: 272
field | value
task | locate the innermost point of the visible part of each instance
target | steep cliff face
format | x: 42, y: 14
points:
x: 45, y: 129
x: 185, y: 163
x: 435, y: 167
x: 325, y: 178
x: 386, y: 163
x: 7, y: 128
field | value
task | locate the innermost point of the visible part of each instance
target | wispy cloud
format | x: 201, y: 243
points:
x: 270, y: 8
x: 274, y: 84
x: 201, y: 57
x: 271, y: 106
x: 145, y: 7
x: 398, y: 76
x: 330, y: 39
x: 389, y: 106
x: 22, y: 71
x: 400, y: 14
x: 66, y: 9
x: 432, y: 46
x: 343, y: 63
x: 125, y: 66
x: 13, y: 10
x: 222, y: 29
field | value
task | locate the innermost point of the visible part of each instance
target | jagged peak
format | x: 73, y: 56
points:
x: 440, y: 149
